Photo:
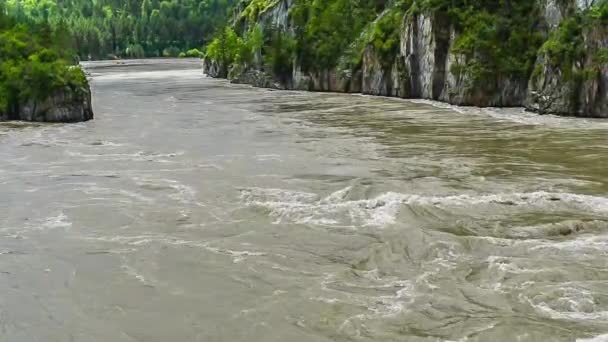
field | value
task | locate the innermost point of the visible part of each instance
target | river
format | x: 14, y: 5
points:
x: 191, y: 209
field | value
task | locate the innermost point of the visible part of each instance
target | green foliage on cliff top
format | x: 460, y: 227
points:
x: 499, y: 38
x: 324, y: 30
x: 386, y: 31
x: 33, y: 63
x: 494, y: 40
x: 254, y: 8
x: 273, y: 49
x: 566, y: 46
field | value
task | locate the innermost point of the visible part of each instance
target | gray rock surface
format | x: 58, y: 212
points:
x: 426, y: 66
x: 580, y: 88
x: 61, y: 106
x: 65, y: 105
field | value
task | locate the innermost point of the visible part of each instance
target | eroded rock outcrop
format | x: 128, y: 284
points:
x: 385, y: 80
x: 428, y: 64
x: 60, y: 106
x: 64, y: 105
x: 572, y: 80
x: 69, y: 102
x: 214, y: 69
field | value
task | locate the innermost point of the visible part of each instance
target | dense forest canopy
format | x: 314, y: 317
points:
x: 101, y: 29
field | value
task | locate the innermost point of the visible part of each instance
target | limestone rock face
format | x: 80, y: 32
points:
x: 213, y: 69
x: 385, y: 80
x: 579, y: 88
x: 278, y: 16
x: 426, y: 65
x: 60, y: 106
x: 424, y: 45
x: 63, y: 105
x: 256, y: 78
x: 343, y: 81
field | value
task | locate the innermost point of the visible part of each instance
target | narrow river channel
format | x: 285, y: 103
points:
x: 191, y: 209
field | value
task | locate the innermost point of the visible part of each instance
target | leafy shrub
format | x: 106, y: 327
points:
x: 135, y: 51
x: 194, y: 53
x: 171, y: 51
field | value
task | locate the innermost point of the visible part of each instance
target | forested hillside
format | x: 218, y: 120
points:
x: 101, y: 29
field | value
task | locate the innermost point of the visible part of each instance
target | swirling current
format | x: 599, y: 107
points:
x: 192, y: 209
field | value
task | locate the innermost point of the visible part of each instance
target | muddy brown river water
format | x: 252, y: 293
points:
x: 191, y: 209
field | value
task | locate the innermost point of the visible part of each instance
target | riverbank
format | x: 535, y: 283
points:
x: 547, y: 56
x: 260, y: 79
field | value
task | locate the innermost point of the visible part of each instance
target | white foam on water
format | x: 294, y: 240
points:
x: 326, y: 300
x: 336, y: 209
x: 111, y: 144
x: 539, y: 199
x: 134, y: 156
x: 182, y: 75
x: 184, y: 193
x: 268, y: 157
x: 209, y: 166
x: 96, y: 190
x: 181, y: 193
x: 588, y: 244
x: 504, y: 265
x: 520, y: 115
x: 307, y: 208
x: 139, y: 277
x: 277, y: 195
x: 574, y: 316
x: 500, y: 267
x: 58, y: 221
x: 583, y: 246
x: 378, y: 306
x: 568, y: 303
x: 599, y: 338
x: 237, y: 256
x: 103, y: 143
x: 143, y: 240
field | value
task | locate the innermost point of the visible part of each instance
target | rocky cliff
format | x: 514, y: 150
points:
x: 562, y: 68
x: 577, y: 84
x: 62, y: 105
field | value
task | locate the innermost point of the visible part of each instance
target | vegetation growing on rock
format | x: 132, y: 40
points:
x: 475, y: 52
x: 500, y: 37
x: 34, y: 63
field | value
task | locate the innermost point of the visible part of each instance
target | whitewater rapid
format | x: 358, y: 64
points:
x: 192, y: 209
